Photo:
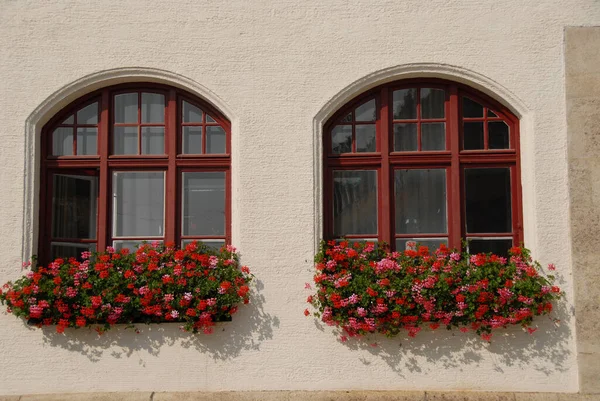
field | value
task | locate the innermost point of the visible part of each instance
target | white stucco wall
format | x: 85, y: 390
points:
x: 277, y: 69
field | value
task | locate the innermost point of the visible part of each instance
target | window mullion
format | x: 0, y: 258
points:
x: 171, y: 183
x: 455, y: 217
x: 385, y: 212
x: 104, y: 198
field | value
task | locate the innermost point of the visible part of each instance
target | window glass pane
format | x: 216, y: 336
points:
x: 74, y: 206
x: 192, y: 140
x: 471, y: 108
x: 498, y: 135
x: 215, y: 139
x: 496, y: 246
x: 126, y: 108
x: 365, y: 138
x: 203, y: 203
x: 69, y: 120
x: 87, y: 141
x: 341, y: 139
x: 132, y: 245
x: 432, y: 103
x: 405, y: 137
x: 473, y: 135
x: 433, y: 136
x: 488, y: 203
x: 491, y: 113
x: 216, y: 244
x: 67, y: 250
x: 153, y: 108
x: 190, y: 113
x: 405, y: 104
x: 420, y: 199
x: 138, y: 204
x: 88, y: 115
x: 125, y: 141
x: 366, y: 111
x: 209, y: 119
x: 354, y: 202
x: 153, y: 140
x: 62, y: 141
x: 348, y: 118
x: 431, y: 243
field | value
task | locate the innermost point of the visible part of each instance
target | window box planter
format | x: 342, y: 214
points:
x: 195, y: 286
x: 363, y: 289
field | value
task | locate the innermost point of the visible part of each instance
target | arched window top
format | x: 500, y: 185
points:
x: 132, y: 163
x: 425, y: 115
x: 424, y: 160
x: 137, y: 122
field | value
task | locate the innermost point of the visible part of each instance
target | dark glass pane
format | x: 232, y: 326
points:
x: 433, y: 136
x: 348, y: 118
x: 498, y: 135
x: 192, y: 140
x: 471, y: 108
x: 354, y: 202
x: 126, y: 108
x: 365, y: 138
x: 74, y: 206
x: 70, y: 250
x: 62, y: 141
x: 138, y: 204
x: 491, y: 113
x: 431, y: 243
x: 215, y: 139
x: 432, y: 103
x: 69, y: 120
x: 405, y: 104
x: 366, y: 111
x: 215, y: 244
x: 87, y: 141
x: 125, y: 141
x: 420, y: 201
x: 203, y: 203
x: 153, y: 140
x: 496, y: 246
x: 341, y: 139
x: 473, y: 135
x: 405, y: 137
x: 488, y: 200
x: 88, y: 115
x: 190, y: 113
x: 153, y: 108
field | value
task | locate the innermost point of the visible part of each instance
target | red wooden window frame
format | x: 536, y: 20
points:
x: 102, y: 165
x: 454, y: 159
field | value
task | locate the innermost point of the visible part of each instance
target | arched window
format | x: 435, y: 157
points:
x: 431, y: 161
x: 133, y: 163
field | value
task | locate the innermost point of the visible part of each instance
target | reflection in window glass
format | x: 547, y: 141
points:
x: 365, y: 138
x: 420, y: 201
x: 432, y: 103
x: 138, y: 204
x: 366, y: 111
x: 215, y: 139
x: 153, y: 108
x: 354, y: 202
x: 153, y: 140
x: 488, y: 202
x: 126, y: 108
x: 433, y: 136
x: 341, y: 139
x: 87, y: 141
x: 192, y: 140
x: 405, y: 104
x: 62, y: 141
x: 88, y: 115
x: 125, y: 141
x: 405, y: 137
x: 431, y: 243
x: 203, y: 203
x: 191, y: 113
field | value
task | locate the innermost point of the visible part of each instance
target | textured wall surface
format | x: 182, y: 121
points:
x: 582, y: 65
x: 274, y: 66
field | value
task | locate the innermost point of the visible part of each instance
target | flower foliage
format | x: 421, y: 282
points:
x: 363, y: 289
x: 195, y: 286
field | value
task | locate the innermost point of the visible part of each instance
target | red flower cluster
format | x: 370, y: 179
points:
x: 363, y: 289
x: 196, y: 286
